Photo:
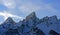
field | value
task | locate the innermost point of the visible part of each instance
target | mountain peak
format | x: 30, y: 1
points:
x: 9, y: 19
x: 54, y: 17
x: 31, y: 16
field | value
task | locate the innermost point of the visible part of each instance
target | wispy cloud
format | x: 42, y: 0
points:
x: 9, y: 3
x: 27, y: 6
x: 6, y: 15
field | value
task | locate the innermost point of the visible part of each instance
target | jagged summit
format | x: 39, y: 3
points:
x: 54, y: 17
x: 9, y: 20
x: 46, y: 18
x: 31, y: 26
x: 31, y: 16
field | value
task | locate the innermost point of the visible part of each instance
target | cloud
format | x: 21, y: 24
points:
x: 6, y: 15
x: 9, y: 3
x: 28, y: 8
x: 0, y: 1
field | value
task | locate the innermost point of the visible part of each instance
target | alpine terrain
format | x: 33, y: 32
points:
x: 31, y: 25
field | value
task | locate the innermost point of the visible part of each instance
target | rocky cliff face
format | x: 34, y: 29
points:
x: 31, y: 26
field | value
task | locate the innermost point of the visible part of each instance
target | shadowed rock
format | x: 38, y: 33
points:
x: 52, y: 32
x: 12, y: 32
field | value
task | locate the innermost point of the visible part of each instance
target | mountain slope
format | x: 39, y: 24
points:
x: 31, y: 26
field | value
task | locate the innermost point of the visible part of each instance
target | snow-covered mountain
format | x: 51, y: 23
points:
x: 31, y: 26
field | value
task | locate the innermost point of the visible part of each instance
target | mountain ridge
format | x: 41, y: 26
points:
x: 31, y: 26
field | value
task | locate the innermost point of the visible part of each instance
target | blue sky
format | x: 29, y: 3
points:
x: 21, y: 8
